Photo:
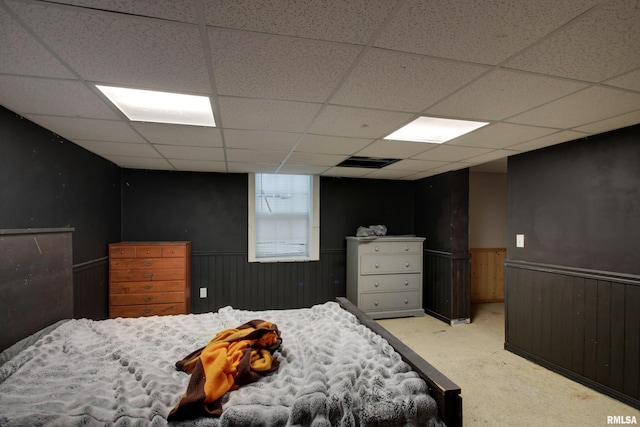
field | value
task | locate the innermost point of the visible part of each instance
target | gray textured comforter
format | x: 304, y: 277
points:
x: 333, y: 371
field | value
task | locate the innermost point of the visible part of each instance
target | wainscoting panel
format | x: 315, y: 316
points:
x: 446, y: 291
x: 487, y: 274
x: 581, y: 323
x: 91, y: 289
x: 231, y: 280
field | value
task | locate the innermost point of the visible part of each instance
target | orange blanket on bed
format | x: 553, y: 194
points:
x: 234, y: 357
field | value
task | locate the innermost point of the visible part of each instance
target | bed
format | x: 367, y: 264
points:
x: 336, y: 365
x: 336, y: 368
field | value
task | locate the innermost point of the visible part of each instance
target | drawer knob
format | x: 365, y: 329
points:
x: 376, y: 284
x: 122, y: 252
x: 148, y: 251
x: 376, y: 249
x: 375, y: 303
x: 148, y: 275
x: 377, y: 265
x: 148, y: 263
x: 406, y: 301
x: 406, y: 283
x: 148, y: 310
x: 406, y: 248
x: 147, y: 299
x: 406, y: 264
x: 148, y: 286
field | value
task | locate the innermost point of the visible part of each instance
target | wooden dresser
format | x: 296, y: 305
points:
x: 384, y: 275
x: 149, y: 278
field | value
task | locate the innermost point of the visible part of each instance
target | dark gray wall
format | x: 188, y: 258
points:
x: 573, y: 291
x: 47, y: 182
x: 578, y: 203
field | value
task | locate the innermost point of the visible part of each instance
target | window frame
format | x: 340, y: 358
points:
x: 314, y: 232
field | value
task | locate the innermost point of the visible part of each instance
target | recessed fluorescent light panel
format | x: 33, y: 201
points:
x: 161, y: 107
x: 434, y: 130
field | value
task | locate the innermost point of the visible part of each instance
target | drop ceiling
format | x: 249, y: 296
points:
x: 300, y: 86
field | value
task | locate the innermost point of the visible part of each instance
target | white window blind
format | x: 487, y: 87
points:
x: 283, y: 218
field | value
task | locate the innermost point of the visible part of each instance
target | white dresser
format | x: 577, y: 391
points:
x: 384, y: 275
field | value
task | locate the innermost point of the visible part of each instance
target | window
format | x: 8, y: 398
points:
x: 284, y: 218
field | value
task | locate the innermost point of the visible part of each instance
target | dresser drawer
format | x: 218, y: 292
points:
x: 145, y: 263
x: 390, y: 301
x: 139, y: 275
x: 146, y: 287
x: 390, y: 282
x: 146, y: 298
x: 406, y: 247
x: 385, y: 264
x: 147, y: 310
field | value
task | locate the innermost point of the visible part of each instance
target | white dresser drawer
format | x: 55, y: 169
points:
x: 390, y: 301
x: 386, y: 264
x: 391, y: 282
x: 406, y: 247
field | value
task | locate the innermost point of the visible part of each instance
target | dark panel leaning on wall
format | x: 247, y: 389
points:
x: 442, y: 216
x: 47, y: 182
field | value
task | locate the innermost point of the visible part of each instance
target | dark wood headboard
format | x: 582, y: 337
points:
x: 36, y: 280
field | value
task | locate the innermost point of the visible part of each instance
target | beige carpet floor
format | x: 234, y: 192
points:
x: 498, y: 387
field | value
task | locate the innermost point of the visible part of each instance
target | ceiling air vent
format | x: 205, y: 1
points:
x: 367, y: 162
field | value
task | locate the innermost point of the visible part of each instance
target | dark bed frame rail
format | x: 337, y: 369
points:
x: 444, y: 391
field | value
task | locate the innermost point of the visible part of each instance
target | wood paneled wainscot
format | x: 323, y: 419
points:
x: 487, y: 274
x: 149, y: 278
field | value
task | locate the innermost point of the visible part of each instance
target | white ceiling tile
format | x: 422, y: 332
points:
x: 595, y: 47
x: 20, y: 53
x: 199, y: 165
x: 73, y: 128
x: 592, y: 104
x: 451, y: 153
x: 404, y: 82
x: 545, y: 141
x: 617, y: 122
x: 386, y: 173
x: 31, y: 95
x: 494, y: 155
x: 314, y: 159
x: 348, y: 172
x: 500, y: 135
x: 257, y: 156
x: 106, y: 148
x: 121, y: 49
x: 393, y: 149
x: 342, y: 20
x: 248, y: 139
x: 266, y: 115
x: 510, y: 93
x: 415, y: 165
x: 331, y: 144
x: 179, y: 152
x: 301, y: 169
x: 276, y: 67
x: 140, y: 162
x: 239, y: 167
x: 170, y: 134
x: 629, y: 81
x: 483, y: 32
x: 358, y: 122
x: 166, y: 9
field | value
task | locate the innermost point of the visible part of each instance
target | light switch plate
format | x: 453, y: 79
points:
x: 203, y: 292
x: 519, y: 240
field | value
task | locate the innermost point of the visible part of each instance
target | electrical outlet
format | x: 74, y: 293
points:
x: 519, y: 240
x: 203, y: 292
